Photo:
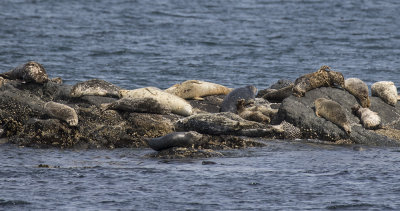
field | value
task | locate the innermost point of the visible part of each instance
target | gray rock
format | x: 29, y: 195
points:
x: 300, y: 112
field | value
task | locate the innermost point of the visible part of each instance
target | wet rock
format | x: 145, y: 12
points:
x: 300, y: 112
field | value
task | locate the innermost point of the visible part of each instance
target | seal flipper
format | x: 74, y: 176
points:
x: 198, y: 98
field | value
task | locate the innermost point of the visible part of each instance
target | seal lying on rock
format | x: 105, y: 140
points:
x: 323, y: 77
x: 333, y: 112
x: 227, y: 123
x: 143, y: 105
x: 176, y: 104
x: 176, y: 139
x: 194, y: 89
x: 386, y: 90
x: 95, y: 87
x: 369, y: 119
x: 359, y: 89
x: 229, y: 104
x: 29, y: 72
x: 277, y: 92
x: 62, y: 112
x: 252, y: 113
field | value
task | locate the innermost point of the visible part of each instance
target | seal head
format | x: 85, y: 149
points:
x: 324, y: 77
x: 359, y: 89
x: 28, y: 72
x: 229, y: 104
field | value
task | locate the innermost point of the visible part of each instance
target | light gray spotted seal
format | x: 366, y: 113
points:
x: 61, y: 112
x: 28, y: 72
x: 95, y: 87
x: 369, y: 119
x: 386, y: 90
x: 176, y: 139
x: 229, y: 104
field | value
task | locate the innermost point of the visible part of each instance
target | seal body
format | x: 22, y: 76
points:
x: 369, y: 119
x: 323, y: 77
x: 332, y: 111
x: 61, y: 112
x: 142, y: 105
x: 176, y: 104
x: 95, y: 87
x: 28, y: 72
x: 176, y: 139
x: 359, y: 89
x: 194, y: 89
x: 251, y: 113
x: 229, y: 104
x: 386, y: 90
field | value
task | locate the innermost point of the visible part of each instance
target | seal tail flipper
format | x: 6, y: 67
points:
x: 198, y: 98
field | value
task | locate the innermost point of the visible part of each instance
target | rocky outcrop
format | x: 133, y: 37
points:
x: 106, y: 122
x: 300, y: 112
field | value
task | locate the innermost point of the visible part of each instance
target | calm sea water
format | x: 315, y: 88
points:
x: 159, y: 43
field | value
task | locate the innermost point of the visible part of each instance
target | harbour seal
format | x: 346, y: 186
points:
x: 28, y: 72
x: 332, y: 111
x: 142, y: 105
x: 252, y: 113
x: 95, y: 87
x: 359, y: 89
x: 323, y: 77
x: 176, y: 104
x: 194, y: 89
x: 61, y: 112
x: 386, y: 90
x: 227, y: 123
x: 229, y: 104
x: 176, y: 139
x: 369, y: 119
x: 278, y: 95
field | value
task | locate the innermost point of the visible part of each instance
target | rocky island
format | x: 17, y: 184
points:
x: 39, y: 112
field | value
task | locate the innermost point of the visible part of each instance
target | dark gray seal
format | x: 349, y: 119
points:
x: 28, y: 72
x: 95, y: 87
x: 176, y: 139
x: 229, y: 104
x: 142, y: 105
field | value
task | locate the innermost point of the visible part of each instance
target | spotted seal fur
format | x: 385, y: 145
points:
x: 386, y: 90
x: 359, y: 89
x: 332, y: 111
x: 323, y: 77
x: 61, y: 112
x: 176, y: 104
x: 369, y: 119
x: 96, y: 87
x: 143, y: 105
x: 195, y: 89
x: 28, y: 72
